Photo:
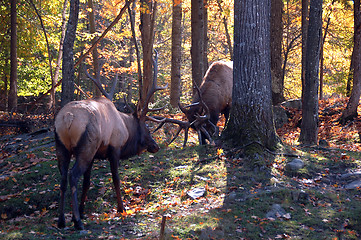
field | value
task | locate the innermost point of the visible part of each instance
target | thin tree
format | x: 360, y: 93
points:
x: 52, y: 96
x: 350, y: 111
x: 13, y: 92
x: 309, y: 125
x: 251, y: 120
x: 225, y: 23
x: 67, y: 92
x: 60, y: 53
x: 276, y: 51
x: 175, y: 87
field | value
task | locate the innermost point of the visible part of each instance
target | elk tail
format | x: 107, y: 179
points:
x: 68, y: 119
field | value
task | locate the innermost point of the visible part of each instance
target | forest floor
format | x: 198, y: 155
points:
x: 236, y: 199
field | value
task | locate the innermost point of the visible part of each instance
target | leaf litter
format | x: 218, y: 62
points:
x: 232, y: 203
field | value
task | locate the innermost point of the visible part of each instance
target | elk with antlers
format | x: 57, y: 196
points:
x: 93, y: 128
x: 214, y: 97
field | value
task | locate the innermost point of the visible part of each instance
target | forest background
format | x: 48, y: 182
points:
x: 117, y: 54
x: 318, y: 201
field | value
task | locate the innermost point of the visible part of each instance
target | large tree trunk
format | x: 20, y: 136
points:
x: 309, y: 125
x: 251, y: 120
x: 147, y: 17
x: 351, y: 109
x: 199, y: 43
x: 175, y: 87
x: 67, y: 92
x: 276, y: 51
x: 13, y: 93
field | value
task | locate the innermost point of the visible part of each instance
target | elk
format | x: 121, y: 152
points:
x: 93, y: 128
x: 214, y: 97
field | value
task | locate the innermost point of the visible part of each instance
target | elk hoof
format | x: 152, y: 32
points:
x: 78, y: 225
x: 61, y: 222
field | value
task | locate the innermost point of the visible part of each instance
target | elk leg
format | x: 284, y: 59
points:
x: 74, y: 176
x: 86, y: 185
x: 63, y: 156
x: 114, y: 164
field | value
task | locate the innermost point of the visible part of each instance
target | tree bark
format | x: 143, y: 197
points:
x: 147, y: 32
x: 60, y: 54
x: 304, y: 23
x: 309, y: 125
x: 276, y: 51
x: 13, y: 92
x: 67, y: 92
x: 199, y: 44
x: 251, y: 119
x: 350, y: 111
x: 95, y: 54
x: 175, y: 87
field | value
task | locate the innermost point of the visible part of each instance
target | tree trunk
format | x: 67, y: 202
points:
x: 251, y: 120
x: 60, y: 54
x: 351, y: 109
x: 132, y: 48
x: 67, y: 92
x: 175, y: 87
x: 199, y: 44
x: 13, y: 93
x: 147, y: 31
x: 276, y: 51
x: 309, y: 125
x: 304, y: 23
x: 95, y: 54
x: 321, y: 57
x: 349, y: 78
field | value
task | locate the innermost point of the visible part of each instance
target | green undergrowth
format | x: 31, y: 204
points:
x: 237, y: 196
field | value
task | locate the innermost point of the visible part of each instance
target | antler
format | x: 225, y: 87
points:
x: 200, y: 120
x: 99, y: 85
x: 153, y: 89
x: 182, y: 125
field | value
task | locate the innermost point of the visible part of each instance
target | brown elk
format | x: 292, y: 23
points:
x: 93, y: 128
x: 214, y: 97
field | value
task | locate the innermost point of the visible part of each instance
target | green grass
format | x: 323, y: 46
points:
x: 237, y: 198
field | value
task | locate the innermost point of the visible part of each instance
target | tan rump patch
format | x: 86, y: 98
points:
x: 68, y: 119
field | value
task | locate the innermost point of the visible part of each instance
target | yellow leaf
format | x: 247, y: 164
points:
x: 4, y: 216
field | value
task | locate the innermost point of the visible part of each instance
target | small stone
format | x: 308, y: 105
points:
x: 353, y: 185
x: 196, y: 192
x: 295, y: 165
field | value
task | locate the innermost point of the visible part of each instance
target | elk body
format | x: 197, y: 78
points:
x: 92, y: 129
x: 214, y: 98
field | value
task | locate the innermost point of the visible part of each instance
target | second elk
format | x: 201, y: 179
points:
x: 214, y: 98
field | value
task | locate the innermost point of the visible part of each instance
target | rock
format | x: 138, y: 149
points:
x: 295, y: 103
x: 295, y: 165
x: 300, y: 197
x: 323, y: 143
x: 277, y: 212
x: 353, y: 185
x: 196, y: 192
x: 280, y: 116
